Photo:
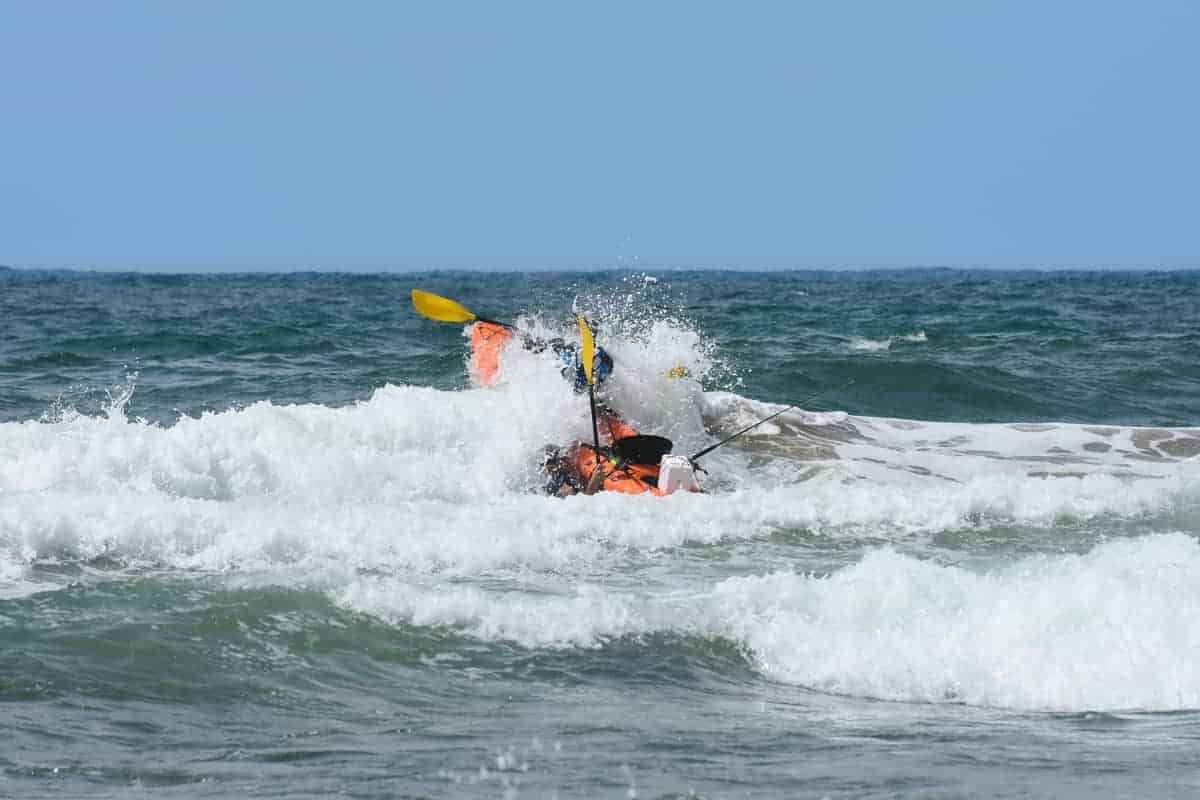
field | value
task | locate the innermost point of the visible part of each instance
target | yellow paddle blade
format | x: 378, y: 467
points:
x: 589, y: 348
x: 443, y: 309
x: 679, y: 372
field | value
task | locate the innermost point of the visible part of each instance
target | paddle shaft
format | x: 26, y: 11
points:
x: 596, y: 479
x: 595, y: 426
x: 495, y: 322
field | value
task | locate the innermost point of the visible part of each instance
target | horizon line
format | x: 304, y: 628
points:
x: 498, y: 264
x: 578, y: 269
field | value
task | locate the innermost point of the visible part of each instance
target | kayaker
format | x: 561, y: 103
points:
x: 602, y: 366
x: 572, y: 363
x: 562, y: 480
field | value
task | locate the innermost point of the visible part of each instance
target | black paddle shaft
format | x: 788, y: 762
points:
x: 710, y: 448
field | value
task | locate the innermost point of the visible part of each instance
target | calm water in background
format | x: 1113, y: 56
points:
x: 261, y: 536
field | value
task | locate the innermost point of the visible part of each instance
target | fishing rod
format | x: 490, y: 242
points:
x: 806, y: 400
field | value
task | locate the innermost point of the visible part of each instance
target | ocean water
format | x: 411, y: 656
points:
x: 262, y: 536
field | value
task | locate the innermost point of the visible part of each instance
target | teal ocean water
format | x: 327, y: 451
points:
x: 262, y: 535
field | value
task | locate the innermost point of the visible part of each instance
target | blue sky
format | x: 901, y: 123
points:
x: 295, y: 134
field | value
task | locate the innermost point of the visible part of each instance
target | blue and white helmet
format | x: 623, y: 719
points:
x: 572, y: 370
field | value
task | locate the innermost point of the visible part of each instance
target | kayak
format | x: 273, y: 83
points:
x: 487, y: 341
x: 627, y: 479
x: 633, y: 463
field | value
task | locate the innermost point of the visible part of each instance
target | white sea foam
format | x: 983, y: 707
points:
x: 870, y: 345
x: 581, y: 616
x: 449, y: 478
x: 876, y: 345
x: 429, y: 472
x: 1117, y: 628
